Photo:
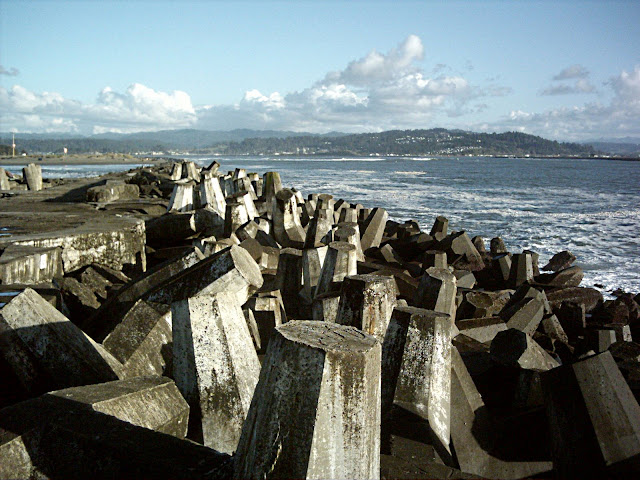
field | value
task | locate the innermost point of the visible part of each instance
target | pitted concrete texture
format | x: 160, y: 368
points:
x: 316, y: 409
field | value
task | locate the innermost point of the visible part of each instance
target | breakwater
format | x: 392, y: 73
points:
x: 308, y: 335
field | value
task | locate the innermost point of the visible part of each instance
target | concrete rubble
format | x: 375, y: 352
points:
x: 204, y: 324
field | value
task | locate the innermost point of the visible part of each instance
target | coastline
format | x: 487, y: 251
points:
x: 79, y: 159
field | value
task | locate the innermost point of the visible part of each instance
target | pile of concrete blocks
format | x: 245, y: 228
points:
x: 277, y: 336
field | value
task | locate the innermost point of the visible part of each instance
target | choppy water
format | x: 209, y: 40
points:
x: 590, y: 207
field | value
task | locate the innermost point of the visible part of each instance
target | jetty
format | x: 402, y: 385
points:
x: 177, y: 321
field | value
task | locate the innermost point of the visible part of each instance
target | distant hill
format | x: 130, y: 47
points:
x: 437, y: 141
x: 160, y: 141
x: 617, y: 148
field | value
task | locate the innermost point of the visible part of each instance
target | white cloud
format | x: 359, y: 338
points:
x: 619, y: 118
x: 138, y: 108
x: 574, y: 71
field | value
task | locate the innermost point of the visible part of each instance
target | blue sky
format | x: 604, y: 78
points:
x: 568, y: 70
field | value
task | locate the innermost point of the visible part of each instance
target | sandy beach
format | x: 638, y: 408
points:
x: 76, y: 159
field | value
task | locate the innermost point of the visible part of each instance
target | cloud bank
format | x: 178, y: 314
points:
x: 378, y: 91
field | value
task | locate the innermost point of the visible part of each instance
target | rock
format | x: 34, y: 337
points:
x: 560, y: 261
x: 373, y: 228
x: 30, y: 265
x: 367, y: 302
x: 318, y: 428
x: 142, y: 341
x: 594, y: 420
x: 32, y: 173
x: 215, y: 365
x: 589, y: 297
x: 111, y: 191
x: 46, y: 350
x: 416, y: 368
x: 514, y: 348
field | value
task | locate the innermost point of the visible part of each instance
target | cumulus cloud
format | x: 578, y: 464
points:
x: 138, y: 108
x: 618, y: 118
x: 574, y: 71
x: 12, y: 72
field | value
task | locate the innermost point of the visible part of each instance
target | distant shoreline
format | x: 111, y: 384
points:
x: 125, y: 159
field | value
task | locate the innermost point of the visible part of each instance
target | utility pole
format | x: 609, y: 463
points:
x: 13, y: 145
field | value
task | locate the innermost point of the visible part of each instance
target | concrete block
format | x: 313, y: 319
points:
x: 560, y: 261
x: 289, y: 279
x: 46, y: 350
x: 268, y: 314
x: 287, y: 228
x: 319, y: 231
x: 482, y: 304
x: 568, y: 277
x: 312, y: 261
x: 437, y: 291
x: 215, y: 366
x: 253, y: 328
x: 316, y: 408
x: 182, y: 198
x: 170, y: 229
x: 514, y: 348
x: 367, y: 302
x: 231, y: 270
x: 473, y: 434
x: 483, y: 330
x: 115, y: 243
x: 524, y: 315
x: 439, y: 228
x: 553, y: 328
x: 32, y: 173
x: 341, y: 261
x: 30, y: 265
x: 594, y: 420
x: 4, y: 180
x: 521, y: 269
x: 112, y: 191
x: 589, y: 297
x: 461, y: 253
x: 497, y: 247
x: 501, y: 265
x: 211, y: 193
x: 350, y: 232
x: 373, y: 228
x: 434, y: 258
x: 416, y: 368
x: 572, y: 318
x: 464, y: 279
x: 176, y: 171
x: 600, y: 339
x: 235, y: 216
x: 325, y: 307
x: 271, y: 186
x: 142, y: 341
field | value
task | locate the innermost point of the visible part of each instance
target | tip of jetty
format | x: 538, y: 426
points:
x: 181, y: 322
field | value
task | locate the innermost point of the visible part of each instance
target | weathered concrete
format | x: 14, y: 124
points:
x: 170, y: 229
x: 182, y: 198
x: 483, y: 330
x: 367, y: 302
x: 439, y: 228
x: 287, y: 228
x: 525, y: 315
x: 416, y: 368
x: 350, y: 232
x: 461, y: 253
x: 340, y: 262
x: 46, y: 350
x: 373, y: 228
x: 594, y: 420
x: 271, y: 186
x: 268, y: 315
x: 325, y: 307
x: 30, y: 265
x: 4, y: 180
x: 472, y: 434
x: 316, y: 409
x: 142, y: 341
x: 231, y: 270
x: 235, y: 216
x: 112, y: 191
x: 434, y: 258
x: 32, y: 173
x: 521, y: 269
x: 289, y: 279
x: 312, y: 261
x: 319, y: 231
x: 482, y: 304
x: 437, y: 291
x: 211, y: 193
x: 215, y: 366
x: 114, y: 242
x: 514, y: 348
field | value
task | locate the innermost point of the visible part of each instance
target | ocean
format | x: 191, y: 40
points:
x: 590, y: 207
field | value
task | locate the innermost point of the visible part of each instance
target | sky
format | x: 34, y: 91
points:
x: 565, y: 70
